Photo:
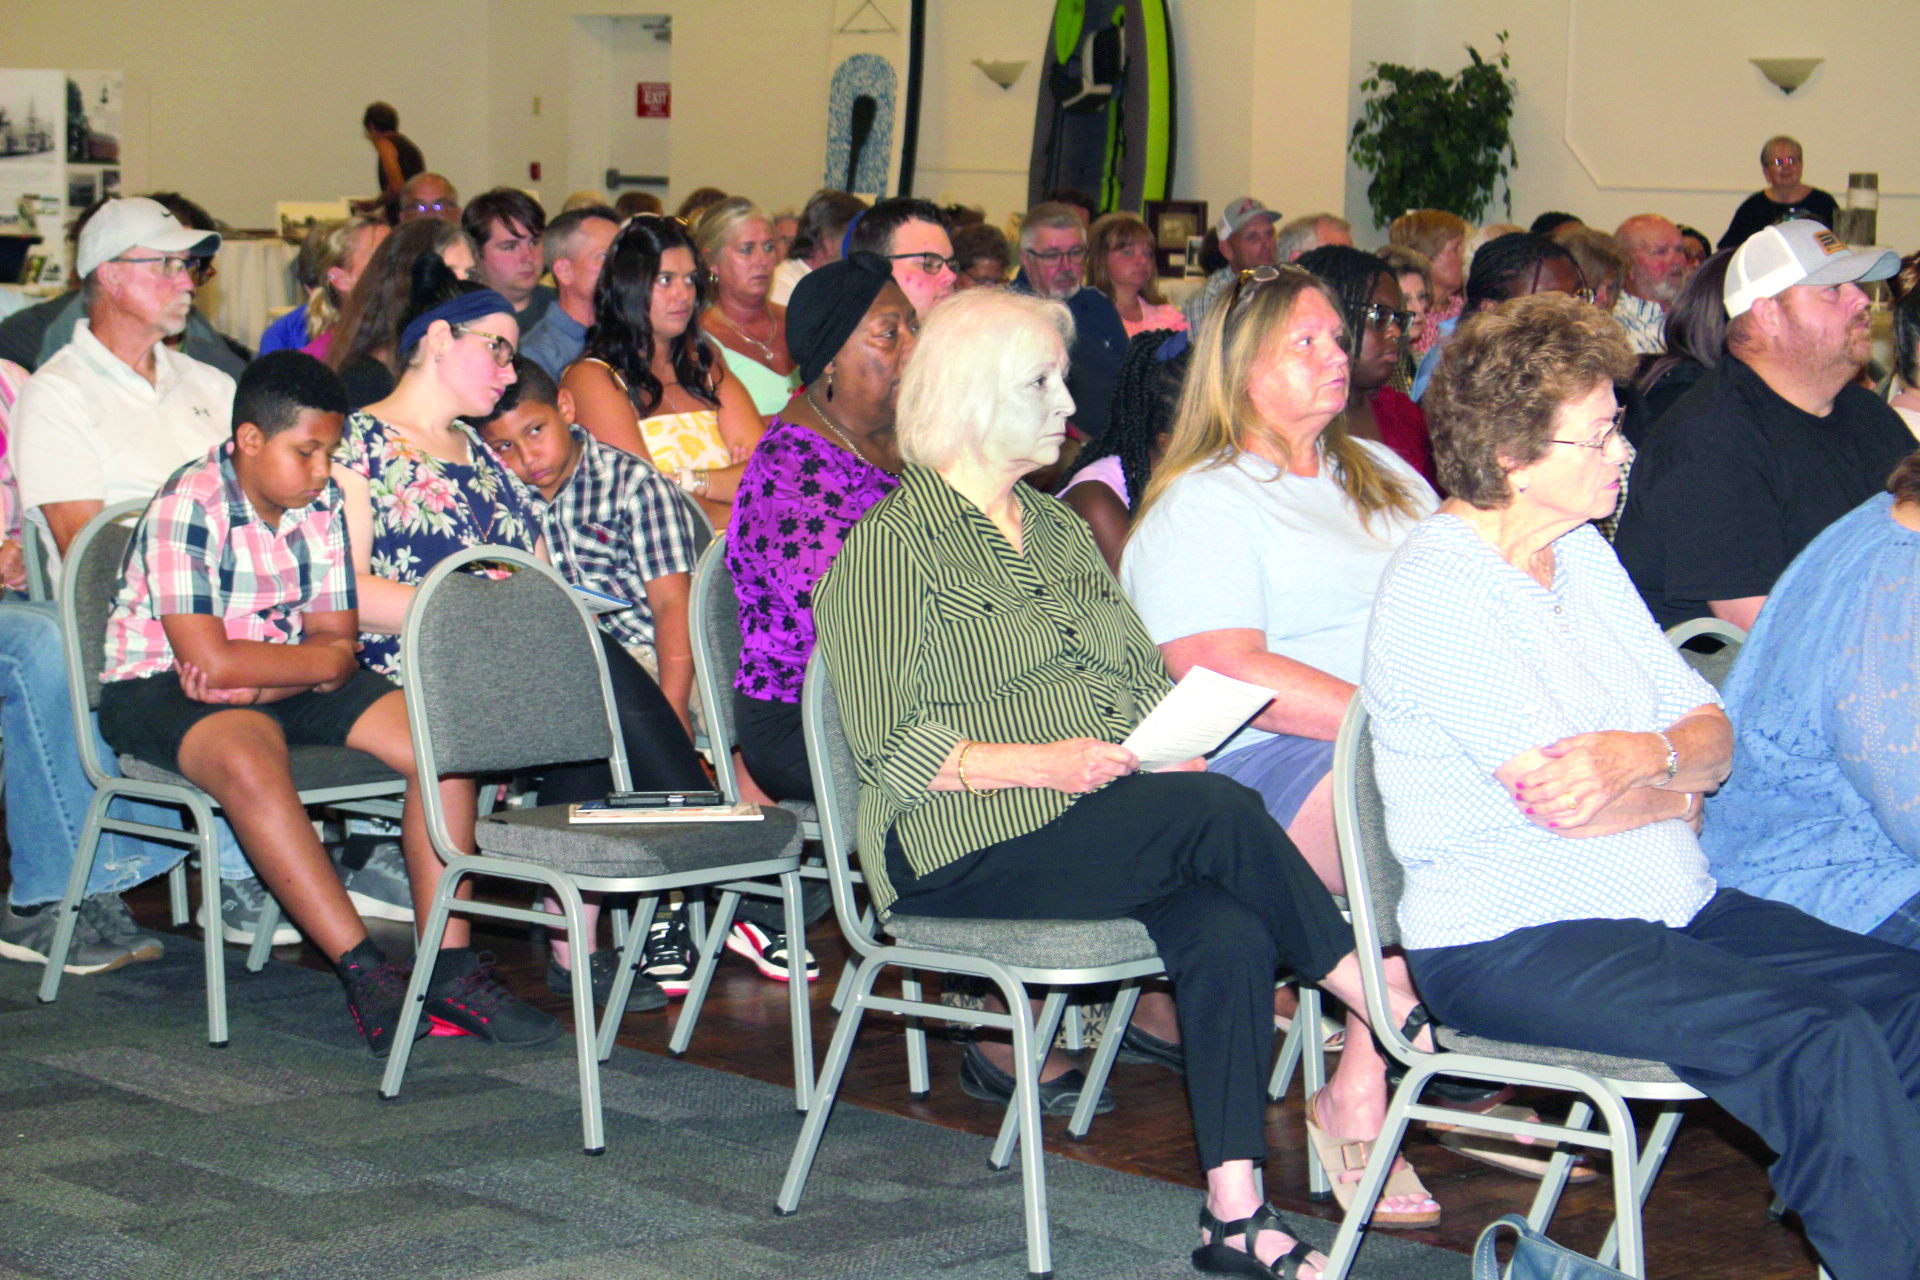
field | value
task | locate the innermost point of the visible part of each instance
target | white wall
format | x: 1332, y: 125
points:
x: 1633, y: 105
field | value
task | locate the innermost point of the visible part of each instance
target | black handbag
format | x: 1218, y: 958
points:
x: 1534, y: 1256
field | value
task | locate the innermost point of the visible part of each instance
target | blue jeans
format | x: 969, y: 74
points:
x: 47, y: 789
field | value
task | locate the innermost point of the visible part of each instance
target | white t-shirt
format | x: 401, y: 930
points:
x: 88, y: 427
x: 1252, y: 547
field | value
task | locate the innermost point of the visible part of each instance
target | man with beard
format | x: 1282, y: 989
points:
x: 1656, y: 268
x: 1774, y: 444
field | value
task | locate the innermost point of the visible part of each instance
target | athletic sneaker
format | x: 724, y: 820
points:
x: 376, y: 996
x: 604, y: 966
x: 111, y: 919
x: 30, y: 939
x: 670, y: 957
x: 241, y: 902
x: 767, y: 950
x: 466, y: 997
x: 377, y: 887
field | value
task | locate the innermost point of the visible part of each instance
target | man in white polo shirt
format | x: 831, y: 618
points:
x: 106, y: 419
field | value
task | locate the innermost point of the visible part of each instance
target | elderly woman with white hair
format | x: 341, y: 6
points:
x: 988, y: 667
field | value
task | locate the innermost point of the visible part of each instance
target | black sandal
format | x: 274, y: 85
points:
x: 1220, y: 1258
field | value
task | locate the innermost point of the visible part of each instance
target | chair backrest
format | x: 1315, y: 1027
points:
x: 88, y: 588
x: 1714, y: 665
x: 702, y: 525
x: 1374, y: 878
x: 714, y: 629
x: 836, y: 793
x: 33, y: 550
x: 505, y: 673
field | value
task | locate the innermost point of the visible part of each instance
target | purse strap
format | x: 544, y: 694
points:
x: 1534, y: 1256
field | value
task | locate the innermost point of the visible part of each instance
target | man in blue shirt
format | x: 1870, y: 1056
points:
x: 1053, y: 264
x: 576, y: 245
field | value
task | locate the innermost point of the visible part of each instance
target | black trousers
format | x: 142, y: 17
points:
x: 1221, y: 890
x: 660, y: 756
x: 773, y: 745
x: 1807, y: 1034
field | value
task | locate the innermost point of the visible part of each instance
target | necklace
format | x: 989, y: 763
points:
x: 764, y: 348
x: 845, y: 439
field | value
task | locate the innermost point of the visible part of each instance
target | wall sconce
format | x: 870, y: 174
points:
x: 1787, y: 74
x: 1001, y: 73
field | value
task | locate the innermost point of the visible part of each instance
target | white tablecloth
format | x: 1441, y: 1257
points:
x: 254, y: 284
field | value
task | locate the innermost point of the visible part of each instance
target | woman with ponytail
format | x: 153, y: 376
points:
x: 1259, y: 543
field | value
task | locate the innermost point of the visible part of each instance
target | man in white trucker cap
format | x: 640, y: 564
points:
x: 1774, y: 444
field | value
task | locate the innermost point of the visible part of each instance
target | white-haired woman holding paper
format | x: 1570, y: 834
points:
x: 988, y: 668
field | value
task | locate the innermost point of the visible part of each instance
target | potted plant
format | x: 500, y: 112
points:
x: 1433, y: 141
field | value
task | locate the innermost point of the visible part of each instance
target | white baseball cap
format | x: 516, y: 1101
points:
x: 1798, y: 252
x: 137, y: 223
x: 1241, y: 212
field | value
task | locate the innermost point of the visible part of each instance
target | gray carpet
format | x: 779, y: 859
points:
x: 132, y: 1151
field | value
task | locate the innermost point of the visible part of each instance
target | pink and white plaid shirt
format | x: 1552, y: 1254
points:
x: 200, y: 548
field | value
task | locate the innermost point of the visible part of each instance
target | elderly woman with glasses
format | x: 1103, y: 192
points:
x: 1542, y: 753
x: 988, y: 670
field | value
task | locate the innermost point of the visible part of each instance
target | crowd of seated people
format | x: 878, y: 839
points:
x: 1010, y: 513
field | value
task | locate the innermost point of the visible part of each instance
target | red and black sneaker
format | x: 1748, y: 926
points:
x: 376, y: 994
x: 466, y: 999
x: 767, y: 950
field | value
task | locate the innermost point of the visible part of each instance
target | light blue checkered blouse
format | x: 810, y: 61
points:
x: 1471, y: 662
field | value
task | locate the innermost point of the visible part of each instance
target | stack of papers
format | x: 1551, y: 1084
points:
x: 1203, y: 711
x: 596, y: 811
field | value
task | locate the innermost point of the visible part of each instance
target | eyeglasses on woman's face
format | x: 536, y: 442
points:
x: 498, y: 347
x: 1606, y: 439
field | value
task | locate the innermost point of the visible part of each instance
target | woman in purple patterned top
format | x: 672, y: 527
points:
x: 827, y: 457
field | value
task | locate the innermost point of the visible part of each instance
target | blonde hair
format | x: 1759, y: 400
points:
x: 1429, y: 231
x: 1217, y: 415
x: 1117, y: 231
x: 955, y: 377
x: 334, y: 248
x: 717, y: 225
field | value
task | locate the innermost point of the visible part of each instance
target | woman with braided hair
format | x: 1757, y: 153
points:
x: 1110, y: 475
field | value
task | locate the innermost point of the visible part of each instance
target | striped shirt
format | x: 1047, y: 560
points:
x: 937, y: 632
x: 615, y: 526
x: 200, y: 548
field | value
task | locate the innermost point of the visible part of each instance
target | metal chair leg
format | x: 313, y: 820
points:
x: 213, y: 937
x: 177, y: 892
x: 1101, y: 1066
x: 263, y: 931
x: 1393, y: 1131
x: 1645, y: 1170
x: 1029, y: 1050
x: 838, y: 1051
x: 1073, y: 1030
x: 633, y: 948
x: 413, y: 1008
x: 1546, y: 1201
x: 1044, y: 1032
x: 919, y: 1077
x: 585, y: 1042
x: 69, y: 906
x: 1313, y: 1069
x: 711, y: 943
x: 799, y: 998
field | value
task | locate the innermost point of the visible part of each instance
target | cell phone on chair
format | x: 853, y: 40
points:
x: 663, y: 799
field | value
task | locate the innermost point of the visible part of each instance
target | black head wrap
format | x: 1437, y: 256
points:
x: 828, y: 305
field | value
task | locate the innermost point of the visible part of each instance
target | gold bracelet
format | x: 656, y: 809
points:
x: 961, y: 765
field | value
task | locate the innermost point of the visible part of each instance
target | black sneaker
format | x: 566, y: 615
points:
x: 604, y: 966
x: 670, y: 957
x: 376, y: 995
x: 466, y: 998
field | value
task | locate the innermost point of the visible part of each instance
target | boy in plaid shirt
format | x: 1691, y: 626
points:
x: 234, y: 637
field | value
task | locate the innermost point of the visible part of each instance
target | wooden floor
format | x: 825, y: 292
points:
x: 1706, y: 1219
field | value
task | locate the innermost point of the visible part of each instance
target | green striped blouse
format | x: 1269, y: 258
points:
x: 936, y: 632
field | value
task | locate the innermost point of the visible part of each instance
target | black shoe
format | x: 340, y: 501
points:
x: 466, y: 997
x: 376, y: 995
x: 979, y: 1078
x: 670, y: 957
x: 1137, y: 1046
x: 1221, y: 1258
x: 604, y: 966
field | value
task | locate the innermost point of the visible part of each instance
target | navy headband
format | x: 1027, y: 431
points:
x: 846, y: 240
x: 471, y: 305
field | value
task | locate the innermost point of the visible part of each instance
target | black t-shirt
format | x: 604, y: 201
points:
x: 1758, y: 212
x: 1734, y: 482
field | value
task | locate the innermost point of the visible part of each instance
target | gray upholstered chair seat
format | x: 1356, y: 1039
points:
x: 1638, y: 1070
x: 544, y: 835
x: 804, y: 810
x: 1030, y: 944
x: 314, y: 769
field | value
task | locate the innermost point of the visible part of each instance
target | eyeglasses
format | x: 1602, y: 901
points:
x: 497, y: 346
x: 1053, y: 257
x: 171, y: 267
x: 1780, y: 162
x: 1379, y: 318
x: 1613, y: 433
x: 1255, y: 276
x: 438, y: 206
x: 1584, y: 293
x: 932, y: 263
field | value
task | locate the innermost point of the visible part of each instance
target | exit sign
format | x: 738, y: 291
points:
x: 655, y: 100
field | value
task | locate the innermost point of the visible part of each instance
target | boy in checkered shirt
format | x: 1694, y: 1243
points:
x: 234, y: 637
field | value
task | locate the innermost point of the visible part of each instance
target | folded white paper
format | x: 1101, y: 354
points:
x: 599, y: 601
x: 1202, y: 712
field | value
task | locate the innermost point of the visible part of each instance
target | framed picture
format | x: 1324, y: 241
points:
x: 1174, y: 223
